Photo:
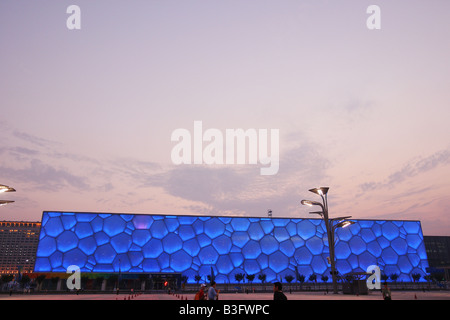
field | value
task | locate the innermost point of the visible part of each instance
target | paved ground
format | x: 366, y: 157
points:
x: 396, y: 295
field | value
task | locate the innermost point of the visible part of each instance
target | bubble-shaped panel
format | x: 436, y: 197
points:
x: 46, y: 247
x: 74, y: 257
x: 319, y: 264
x: 269, y: 244
x: 278, y: 261
x: 390, y: 256
x: 186, y: 233
x: 251, y: 250
x: 240, y: 238
x: 88, y: 245
x: 342, y: 250
x: 208, y: 255
x: 136, y: 258
x: 121, y: 243
x: 240, y: 224
x: 303, y: 256
x: 142, y: 222
x: 105, y: 254
x: 180, y: 261
x: 67, y: 241
x: 56, y: 259
x: 172, y: 243
x: 222, y: 244
x: 357, y: 245
x: 224, y: 264
x: 390, y: 230
x: 83, y: 230
x: 399, y: 245
x: 68, y: 221
x: 159, y: 229
x: 141, y: 237
x: 315, y: 245
x: 214, y: 228
x: 287, y: 248
x: 255, y: 231
x: 306, y: 229
x: 53, y: 227
x: 114, y: 225
x: 192, y: 247
x: 152, y: 249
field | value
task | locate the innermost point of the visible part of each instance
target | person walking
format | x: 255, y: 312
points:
x: 278, y: 292
x: 213, y: 294
x: 201, y: 295
x: 386, y: 292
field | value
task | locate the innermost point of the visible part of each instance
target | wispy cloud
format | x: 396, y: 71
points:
x: 409, y: 170
x: 44, y: 176
x: 30, y: 161
x: 35, y: 140
x: 241, y: 189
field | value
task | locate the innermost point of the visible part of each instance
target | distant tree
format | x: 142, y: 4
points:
x: 262, y: 277
x: 394, y: 277
x: 250, y: 278
x: 301, y: 279
x: 289, y: 278
x: 197, y: 278
x: 416, y: 276
x: 239, y: 277
x: 313, y: 278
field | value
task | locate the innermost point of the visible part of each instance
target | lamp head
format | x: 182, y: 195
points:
x: 344, y: 224
x: 5, y: 202
x: 4, y: 188
x: 321, y: 191
x: 310, y: 203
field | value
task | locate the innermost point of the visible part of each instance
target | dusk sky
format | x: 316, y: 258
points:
x: 87, y: 115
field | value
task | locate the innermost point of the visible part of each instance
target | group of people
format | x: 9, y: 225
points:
x: 213, y: 294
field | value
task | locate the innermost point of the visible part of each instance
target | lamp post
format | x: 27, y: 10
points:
x: 329, y: 226
x: 4, y: 188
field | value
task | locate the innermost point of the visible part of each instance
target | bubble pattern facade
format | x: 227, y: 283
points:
x: 192, y: 245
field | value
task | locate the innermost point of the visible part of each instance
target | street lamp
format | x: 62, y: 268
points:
x: 329, y: 225
x: 4, y: 188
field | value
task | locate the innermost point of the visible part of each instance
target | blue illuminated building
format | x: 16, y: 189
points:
x: 192, y: 245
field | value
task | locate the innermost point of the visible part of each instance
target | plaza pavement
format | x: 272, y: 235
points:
x: 396, y: 295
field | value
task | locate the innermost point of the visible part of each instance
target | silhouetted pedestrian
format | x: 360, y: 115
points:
x: 278, y: 292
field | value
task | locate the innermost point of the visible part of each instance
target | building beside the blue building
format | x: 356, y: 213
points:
x: 224, y: 246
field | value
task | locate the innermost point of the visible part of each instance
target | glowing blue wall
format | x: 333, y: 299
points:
x: 192, y: 245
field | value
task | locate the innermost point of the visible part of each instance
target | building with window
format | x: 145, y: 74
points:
x: 438, y: 252
x: 18, y: 244
x: 222, y: 247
